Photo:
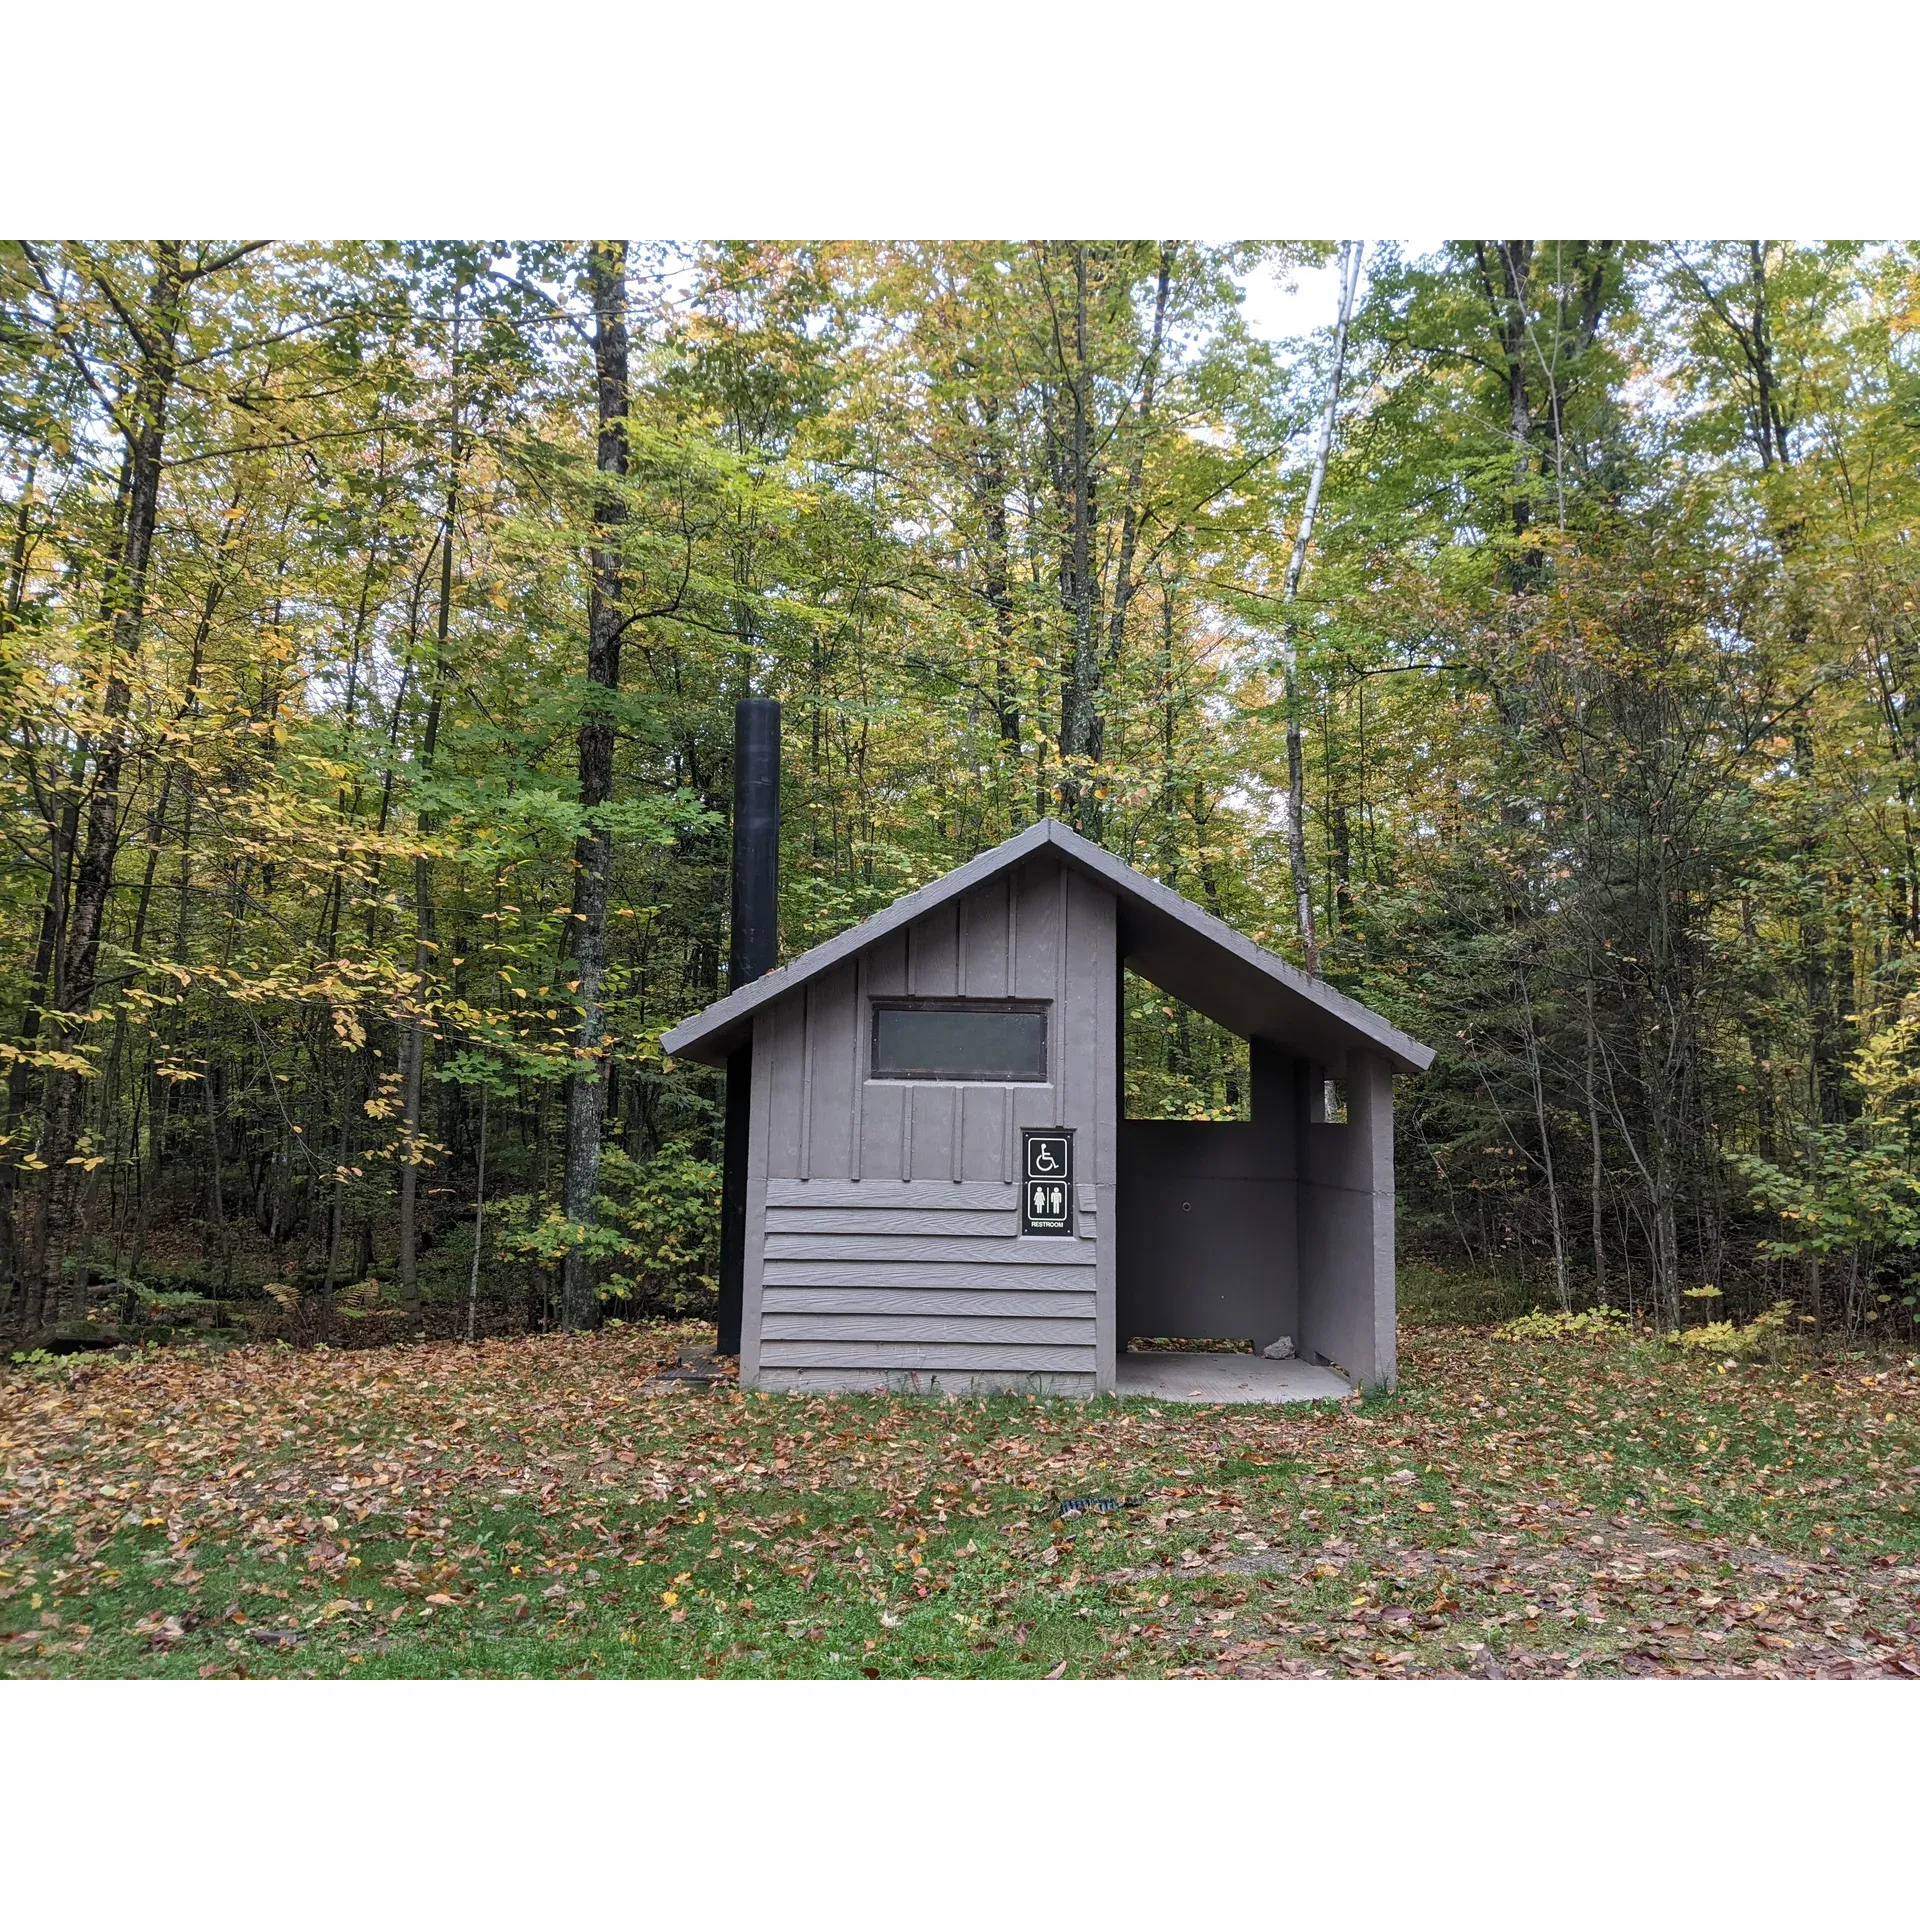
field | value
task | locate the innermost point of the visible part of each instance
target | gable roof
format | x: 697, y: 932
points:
x: 1165, y: 939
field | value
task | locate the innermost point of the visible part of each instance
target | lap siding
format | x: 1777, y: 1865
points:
x: 926, y: 1357
x: 920, y: 1380
x: 1012, y: 1252
x: 878, y: 1283
x: 900, y: 1221
x: 885, y: 1275
x: 787, y: 1298
x: 948, y: 1196
x: 932, y: 1330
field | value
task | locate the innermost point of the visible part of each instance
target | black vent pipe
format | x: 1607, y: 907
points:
x: 754, y: 949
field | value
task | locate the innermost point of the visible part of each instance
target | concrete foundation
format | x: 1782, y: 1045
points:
x: 1226, y: 1379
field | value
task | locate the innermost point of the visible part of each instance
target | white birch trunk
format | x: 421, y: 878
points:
x: 1350, y: 257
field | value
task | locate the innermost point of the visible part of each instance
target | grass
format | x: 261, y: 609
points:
x: 524, y: 1507
x: 1431, y: 1295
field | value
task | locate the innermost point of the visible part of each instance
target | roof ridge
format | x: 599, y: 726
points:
x: 1099, y: 864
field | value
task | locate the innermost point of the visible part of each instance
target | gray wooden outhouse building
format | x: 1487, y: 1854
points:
x: 943, y: 1193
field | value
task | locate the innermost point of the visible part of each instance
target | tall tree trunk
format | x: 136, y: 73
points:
x: 413, y: 1060
x: 479, y: 1219
x: 1596, y: 1151
x: 157, y: 345
x: 593, y: 855
x: 1563, y: 1293
x: 21, y: 549
x: 1169, y: 808
x: 1770, y: 426
x: 20, y: 1076
x: 990, y: 489
x: 1080, y: 682
x: 1509, y: 303
x: 189, y: 701
x: 1340, y: 833
x: 1123, y: 581
x: 1827, y: 1045
x: 216, y: 1197
x: 1350, y: 256
x: 337, y: 1191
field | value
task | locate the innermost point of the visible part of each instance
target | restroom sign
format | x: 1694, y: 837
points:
x: 1047, y: 1204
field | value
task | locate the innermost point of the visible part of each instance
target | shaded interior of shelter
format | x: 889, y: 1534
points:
x: 1227, y: 1143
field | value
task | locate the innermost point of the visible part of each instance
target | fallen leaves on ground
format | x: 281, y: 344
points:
x: 527, y: 1506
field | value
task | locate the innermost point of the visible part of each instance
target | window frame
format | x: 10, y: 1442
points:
x: 957, y: 1003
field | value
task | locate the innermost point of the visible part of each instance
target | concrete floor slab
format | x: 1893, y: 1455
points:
x: 1237, y: 1379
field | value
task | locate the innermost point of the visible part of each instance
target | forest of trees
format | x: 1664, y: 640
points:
x: 1528, y: 651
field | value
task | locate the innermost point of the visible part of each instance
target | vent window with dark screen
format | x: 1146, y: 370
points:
x: 959, y: 1040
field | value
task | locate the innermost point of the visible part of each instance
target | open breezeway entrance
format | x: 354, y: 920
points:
x: 1205, y: 1206
x: 1245, y: 1209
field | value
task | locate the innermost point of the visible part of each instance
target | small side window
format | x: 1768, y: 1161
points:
x: 959, y: 1040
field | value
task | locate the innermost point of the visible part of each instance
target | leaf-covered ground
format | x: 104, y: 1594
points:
x: 527, y: 1507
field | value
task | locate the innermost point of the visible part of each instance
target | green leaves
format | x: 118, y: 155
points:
x: 1843, y: 1197
x: 656, y: 1230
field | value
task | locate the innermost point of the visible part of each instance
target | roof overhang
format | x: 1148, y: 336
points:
x: 1164, y: 938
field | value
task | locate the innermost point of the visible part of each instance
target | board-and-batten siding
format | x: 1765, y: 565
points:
x: 883, y: 1243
